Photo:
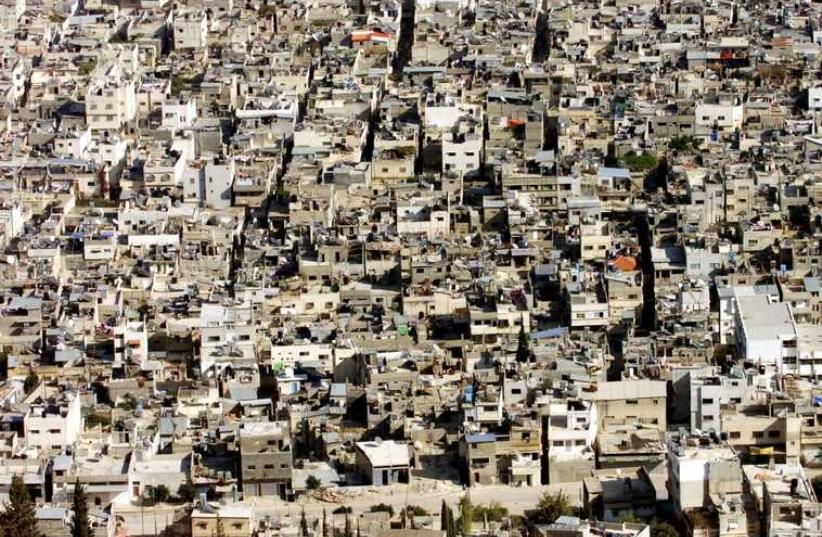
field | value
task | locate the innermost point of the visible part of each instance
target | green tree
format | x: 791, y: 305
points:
x: 660, y: 528
x: 639, y: 162
x: 523, y: 345
x: 187, y: 492
x: 493, y: 512
x: 466, y: 515
x: 303, y: 524
x: 628, y: 516
x: 31, y: 382
x: 383, y: 507
x: 159, y: 494
x: 80, y: 524
x: 444, y: 516
x: 312, y: 483
x: 20, y: 519
x: 551, y: 507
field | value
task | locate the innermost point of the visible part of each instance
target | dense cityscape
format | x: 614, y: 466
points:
x: 410, y: 268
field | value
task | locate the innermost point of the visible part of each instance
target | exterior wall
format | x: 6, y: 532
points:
x: 109, y: 107
x: 815, y: 98
x: 206, y: 526
x: 763, y: 431
x: 649, y: 411
x: 179, y: 115
x: 54, y: 432
x: 190, y: 32
x: 381, y: 476
x: 219, y: 178
x: 461, y: 158
x: 726, y: 117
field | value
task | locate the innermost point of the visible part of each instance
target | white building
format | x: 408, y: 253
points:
x: 110, y: 104
x: 178, y: 115
x: 54, y: 423
x: 708, y: 394
x: 571, y: 432
x: 696, y: 467
x: 815, y: 98
x: 726, y: 114
x: 462, y: 156
x: 218, y: 180
x: 765, y: 332
x: 728, y: 296
x: 190, y: 30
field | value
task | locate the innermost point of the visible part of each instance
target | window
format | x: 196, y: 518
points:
x: 252, y: 467
x: 707, y: 418
x: 735, y: 434
x: 557, y: 443
x: 773, y: 434
x: 631, y: 402
x: 759, y: 434
x: 707, y: 401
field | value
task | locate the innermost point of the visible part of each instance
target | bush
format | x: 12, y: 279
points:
x: 94, y: 419
x: 413, y: 510
x: 494, y: 512
x: 312, y: 483
x: 342, y: 510
x: 157, y: 494
x: 187, y: 492
x: 639, y: 163
x: 681, y: 143
x: 383, y: 507
x: 550, y: 508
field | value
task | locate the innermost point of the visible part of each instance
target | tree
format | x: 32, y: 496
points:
x: 639, y: 162
x: 20, y: 519
x: 383, y: 507
x: 466, y: 515
x: 187, y: 492
x: 523, y: 345
x: 444, y: 516
x: 493, y: 512
x: 159, y: 494
x: 628, y: 516
x: 312, y: 483
x: 303, y: 524
x: 80, y: 524
x: 660, y: 528
x: 325, y: 524
x: 551, y: 507
x: 31, y: 382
